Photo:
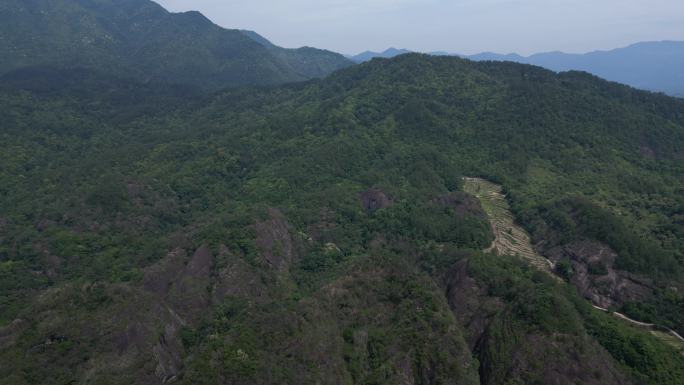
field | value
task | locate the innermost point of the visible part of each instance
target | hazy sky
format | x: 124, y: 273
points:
x: 463, y: 26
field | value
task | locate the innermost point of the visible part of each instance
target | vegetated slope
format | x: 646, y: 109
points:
x: 308, y: 62
x: 651, y: 66
x: 318, y: 232
x: 138, y: 38
x: 511, y: 240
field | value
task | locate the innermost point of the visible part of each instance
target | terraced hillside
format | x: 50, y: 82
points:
x: 510, y: 239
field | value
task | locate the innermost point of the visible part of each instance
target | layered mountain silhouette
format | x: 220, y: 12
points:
x: 140, y: 39
x: 387, y: 54
x: 653, y: 66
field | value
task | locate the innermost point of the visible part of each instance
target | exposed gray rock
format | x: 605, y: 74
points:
x: 236, y: 279
x: 596, y: 277
x: 374, y: 199
x: 274, y: 241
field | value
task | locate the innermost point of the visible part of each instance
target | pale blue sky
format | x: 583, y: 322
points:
x: 463, y: 26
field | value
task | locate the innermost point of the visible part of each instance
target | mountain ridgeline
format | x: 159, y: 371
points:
x: 653, y: 66
x: 154, y: 230
x: 387, y: 54
x: 140, y: 39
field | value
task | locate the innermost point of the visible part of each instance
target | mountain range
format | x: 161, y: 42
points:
x: 322, y: 232
x: 653, y: 66
x: 368, y: 55
x: 418, y: 220
x: 140, y: 39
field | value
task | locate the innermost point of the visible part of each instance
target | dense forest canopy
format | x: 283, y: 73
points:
x: 182, y: 203
x: 140, y: 39
x: 286, y: 224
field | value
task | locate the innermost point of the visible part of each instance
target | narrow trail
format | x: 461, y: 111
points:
x: 511, y: 239
x: 653, y: 327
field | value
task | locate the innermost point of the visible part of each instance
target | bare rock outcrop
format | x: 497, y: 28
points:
x: 375, y: 199
x: 181, y: 293
x: 507, y: 351
x: 189, y: 295
x: 159, y: 277
x: 597, y: 278
x: 469, y: 303
x: 236, y: 278
x: 274, y: 241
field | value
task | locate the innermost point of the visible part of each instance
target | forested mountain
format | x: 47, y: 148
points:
x: 306, y: 61
x: 654, y: 66
x: 139, y: 39
x: 319, y: 232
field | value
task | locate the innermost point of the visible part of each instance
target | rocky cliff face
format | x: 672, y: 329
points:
x: 134, y: 332
x: 597, y: 278
x: 218, y: 316
x: 510, y: 351
x: 374, y: 199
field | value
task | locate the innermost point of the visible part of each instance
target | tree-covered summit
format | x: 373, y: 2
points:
x: 141, y: 40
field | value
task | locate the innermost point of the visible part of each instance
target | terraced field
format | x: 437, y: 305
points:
x: 510, y: 239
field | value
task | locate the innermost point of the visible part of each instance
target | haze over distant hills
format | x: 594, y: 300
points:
x: 140, y: 39
x: 368, y: 55
x: 654, y: 66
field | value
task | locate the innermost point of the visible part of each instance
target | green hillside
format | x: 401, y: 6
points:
x: 140, y: 39
x: 319, y: 233
x: 307, y: 62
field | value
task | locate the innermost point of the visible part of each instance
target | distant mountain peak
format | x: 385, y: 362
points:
x: 388, y: 53
x: 653, y: 66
